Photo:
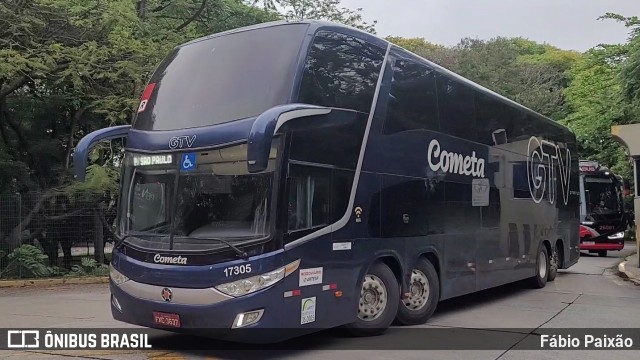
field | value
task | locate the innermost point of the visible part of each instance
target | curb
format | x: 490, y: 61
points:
x: 625, y: 274
x: 53, y: 282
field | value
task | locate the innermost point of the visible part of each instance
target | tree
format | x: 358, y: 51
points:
x: 630, y: 70
x: 596, y: 102
x: 68, y: 67
x: 439, y: 54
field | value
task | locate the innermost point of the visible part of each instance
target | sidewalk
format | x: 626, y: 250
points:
x: 629, y: 268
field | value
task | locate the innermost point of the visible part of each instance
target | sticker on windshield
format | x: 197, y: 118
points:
x: 188, y: 161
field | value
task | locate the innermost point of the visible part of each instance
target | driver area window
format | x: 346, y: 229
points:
x: 317, y: 197
x: 308, y: 197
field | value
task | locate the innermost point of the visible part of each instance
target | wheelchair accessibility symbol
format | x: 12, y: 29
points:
x: 188, y: 161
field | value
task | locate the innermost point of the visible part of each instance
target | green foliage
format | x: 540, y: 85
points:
x: 604, y: 92
x: 27, y: 261
x: 438, y: 54
x: 68, y: 67
x: 99, y: 179
x: 88, y: 267
x: 527, y: 72
x: 630, y: 70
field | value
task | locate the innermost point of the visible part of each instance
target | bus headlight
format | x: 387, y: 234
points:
x: 116, y: 276
x: 252, y: 284
x: 617, y: 236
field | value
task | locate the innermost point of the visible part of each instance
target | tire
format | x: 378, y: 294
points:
x: 378, y: 304
x: 602, y: 253
x: 542, y: 268
x: 425, y: 290
x: 554, y: 262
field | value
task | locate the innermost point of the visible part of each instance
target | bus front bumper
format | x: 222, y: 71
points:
x: 602, y: 245
x: 223, y: 320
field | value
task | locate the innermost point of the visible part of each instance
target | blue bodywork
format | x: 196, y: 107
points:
x: 388, y: 163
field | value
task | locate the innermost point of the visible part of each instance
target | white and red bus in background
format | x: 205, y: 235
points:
x: 602, y: 213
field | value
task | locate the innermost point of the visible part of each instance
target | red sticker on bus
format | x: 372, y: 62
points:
x: 145, y: 97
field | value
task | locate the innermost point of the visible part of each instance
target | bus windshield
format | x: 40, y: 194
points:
x: 218, y: 199
x: 602, y: 195
x: 224, y: 78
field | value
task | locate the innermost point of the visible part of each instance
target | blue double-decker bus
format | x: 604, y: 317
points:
x: 307, y: 175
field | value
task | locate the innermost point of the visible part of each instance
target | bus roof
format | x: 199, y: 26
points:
x: 315, y: 25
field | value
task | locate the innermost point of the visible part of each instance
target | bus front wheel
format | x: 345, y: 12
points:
x: 542, y: 268
x: 425, y: 292
x: 378, y: 304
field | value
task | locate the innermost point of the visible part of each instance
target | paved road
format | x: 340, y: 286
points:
x: 586, y: 296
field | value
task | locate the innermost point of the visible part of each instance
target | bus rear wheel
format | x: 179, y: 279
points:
x: 542, y: 268
x: 425, y: 292
x: 378, y: 303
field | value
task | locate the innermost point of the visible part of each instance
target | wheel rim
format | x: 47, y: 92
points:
x: 373, y: 298
x: 419, y: 291
x: 542, y: 265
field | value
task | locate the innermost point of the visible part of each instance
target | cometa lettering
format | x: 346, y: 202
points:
x: 170, y: 259
x: 454, y: 163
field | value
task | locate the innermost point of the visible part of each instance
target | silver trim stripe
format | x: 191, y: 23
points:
x: 345, y: 218
x: 298, y: 114
x: 181, y: 296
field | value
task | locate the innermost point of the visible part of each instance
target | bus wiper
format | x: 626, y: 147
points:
x: 240, y: 253
x: 122, y: 239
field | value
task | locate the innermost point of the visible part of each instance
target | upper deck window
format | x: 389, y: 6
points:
x: 225, y: 78
x: 412, y: 97
x: 341, y: 71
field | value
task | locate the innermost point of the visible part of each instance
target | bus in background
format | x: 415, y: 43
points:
x: 308, y: 175
x: 603, y: 219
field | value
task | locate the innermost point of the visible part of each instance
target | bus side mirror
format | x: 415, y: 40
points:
x: 308, y: 117
x: 266, y: 126
x: 81, y: 151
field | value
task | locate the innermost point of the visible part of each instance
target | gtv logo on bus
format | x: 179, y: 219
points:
x: 544, y: 157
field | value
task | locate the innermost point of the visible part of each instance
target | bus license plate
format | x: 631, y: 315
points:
x: 172, y: 320
x: 588, y: 242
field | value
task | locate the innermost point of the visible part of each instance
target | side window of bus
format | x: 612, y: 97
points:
x: 318, y: 196
x: 341, y: 71
x: 412, y: 101
x: 309, y: 189
x: 456, y: 108
x: 493, y: 120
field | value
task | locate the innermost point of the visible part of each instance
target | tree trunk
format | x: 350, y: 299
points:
x: 98, y: 242
x: 15, y: 237
x: 141, y: 7
x: 75, y: 121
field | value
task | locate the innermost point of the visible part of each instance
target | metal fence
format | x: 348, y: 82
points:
x: 44, y: 235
